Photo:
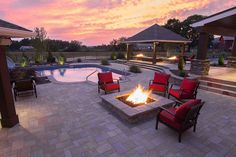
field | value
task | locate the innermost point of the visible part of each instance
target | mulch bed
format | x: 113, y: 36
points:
x: 176, y: 72
x: 123, y: 99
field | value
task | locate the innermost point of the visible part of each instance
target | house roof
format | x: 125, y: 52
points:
x: 8, y: 29
x: 156, y: 33
x: 215, y: 17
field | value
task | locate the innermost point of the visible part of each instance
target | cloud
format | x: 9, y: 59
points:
x: 99, y: 21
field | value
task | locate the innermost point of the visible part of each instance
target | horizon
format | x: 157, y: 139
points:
x: 99, y: 22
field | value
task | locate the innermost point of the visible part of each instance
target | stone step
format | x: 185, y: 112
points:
x: 218, y: 90
x: 146, y: 67
x: 148, y: 64
x: 218, y: 81
x: 218, y: 85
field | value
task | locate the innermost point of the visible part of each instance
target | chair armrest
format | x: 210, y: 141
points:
x: 163, y: 108
x: 150, y: 82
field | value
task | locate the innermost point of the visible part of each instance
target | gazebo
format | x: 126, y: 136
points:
x: 155, y: 34
x: 8, y: 30
x: 222, y: 23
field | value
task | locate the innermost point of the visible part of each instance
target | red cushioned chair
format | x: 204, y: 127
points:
x: 106, y: 82
x: 188, y: 90
x: 160, y: 82
x: 181, y: 118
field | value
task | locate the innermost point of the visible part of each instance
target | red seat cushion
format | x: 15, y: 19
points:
x: 170, y: 119
x: 161, y: 78
x: 111, y: 86
x: 177, y: 93
x: 188, y: 86
x: 183, y: 109
x: 157, y: 87
x: 105, y: 77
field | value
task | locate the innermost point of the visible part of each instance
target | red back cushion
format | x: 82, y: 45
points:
x: 161, y: 78
x: 105, y: 77
x: 188, y: 85
x: 182, y: 110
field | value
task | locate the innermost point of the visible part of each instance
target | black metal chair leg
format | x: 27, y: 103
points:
x: 179, y: 137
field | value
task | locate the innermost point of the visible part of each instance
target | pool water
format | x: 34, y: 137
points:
x: 75, y: 74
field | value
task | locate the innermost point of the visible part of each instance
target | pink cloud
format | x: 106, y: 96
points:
x: 99, y: 21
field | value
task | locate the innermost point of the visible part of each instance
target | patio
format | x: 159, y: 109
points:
x: 68, y: 120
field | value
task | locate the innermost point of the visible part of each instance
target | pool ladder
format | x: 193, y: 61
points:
x: 91, y: 74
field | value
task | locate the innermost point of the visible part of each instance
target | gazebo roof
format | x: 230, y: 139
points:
x: 9, y: 30
x: 157, y: 33
x: 221, y: 23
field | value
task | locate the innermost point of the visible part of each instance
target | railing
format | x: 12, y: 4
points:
x: 91, y: 74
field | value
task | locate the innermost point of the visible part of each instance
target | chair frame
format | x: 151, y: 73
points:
x: 18, y: 93
x: 100, y: 84
x: 189, y: 121
x: 181, y: 100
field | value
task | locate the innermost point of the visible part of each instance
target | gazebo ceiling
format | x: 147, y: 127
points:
x: 222, y: 23
x: 156, y: 33
x: 10, y: 30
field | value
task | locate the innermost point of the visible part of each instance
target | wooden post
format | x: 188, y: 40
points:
x: 9, y: 117
x: 182, y: 49
x: 234, y: 48
x: 154, y: 58
x: 129, y: 51
x: 202, y: 46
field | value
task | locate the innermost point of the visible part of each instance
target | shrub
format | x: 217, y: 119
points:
x: 113, y: 56
x: 61, y: 59
x: 24, y: 61
x: 38, y: 58
x: 221, y: 60
x: 105, y: 62
x: 79, y: 60
x: 182, y: 73
x: 181, y: 64
x: 134, y: 69
x: 51, y: 58
x: 120, y: 55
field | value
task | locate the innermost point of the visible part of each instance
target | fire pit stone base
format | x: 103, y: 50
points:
x: 133, y: 114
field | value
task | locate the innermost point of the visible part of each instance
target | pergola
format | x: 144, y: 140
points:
x: 222, y: 23
x: 8, y: 30
x: 155, y: 35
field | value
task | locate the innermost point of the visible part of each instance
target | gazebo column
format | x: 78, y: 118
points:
x: 201, y: 65
x: 154, y: 58
x: 129, y: 51
x: 182, y: 49
x: 9, y: 117
x: 232, y: 58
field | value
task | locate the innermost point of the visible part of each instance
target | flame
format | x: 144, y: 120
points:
x: 139, y: 95
x: 172, y: 58
x: 140, y: 55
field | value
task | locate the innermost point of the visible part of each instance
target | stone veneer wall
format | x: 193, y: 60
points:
x: 232, y: 62
x: 200, y: 67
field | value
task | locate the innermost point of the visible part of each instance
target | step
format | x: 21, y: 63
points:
x: 147, y: 67
x: 218, y: 90
x: 144, y: 65
x: 149, y: 64
x: 218, y: 85
x: 218, y: 81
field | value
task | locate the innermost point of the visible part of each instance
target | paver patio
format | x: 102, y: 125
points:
x: 68, y: 120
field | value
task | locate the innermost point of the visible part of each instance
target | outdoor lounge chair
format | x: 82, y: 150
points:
x: 106, y: 82
x: 187, y: 90
x: 160, y: 82
x: 24, y: 86
x: 181, y: 118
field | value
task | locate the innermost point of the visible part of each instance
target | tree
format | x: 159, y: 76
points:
x: 39, y: 41
x: 74, y: 46
x: 174, y: 24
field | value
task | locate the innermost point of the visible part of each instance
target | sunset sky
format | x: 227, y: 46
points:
x: 99, y: 21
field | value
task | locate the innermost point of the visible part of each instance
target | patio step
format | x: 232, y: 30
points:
x: 221, y: 86
x: 218, y: 81
x: 218, y: 90
x: 145, y: 66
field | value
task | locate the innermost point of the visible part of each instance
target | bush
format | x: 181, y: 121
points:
x: 182, y: 73
x: 181, y: 64
x: 24, y: 61
x: 105, y: 62
x: 120, y: 55
x: 50, y: 58
x: 38, y: 58
x: 79, y: 60
x: 113, y: 56
x: 134, y: 69
x: 61, y: 59
x: 221, y: 60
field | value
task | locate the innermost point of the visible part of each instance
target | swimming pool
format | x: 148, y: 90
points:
x: 77, y: 73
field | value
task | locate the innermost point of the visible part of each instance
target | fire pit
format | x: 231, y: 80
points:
x: 135, y: 105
